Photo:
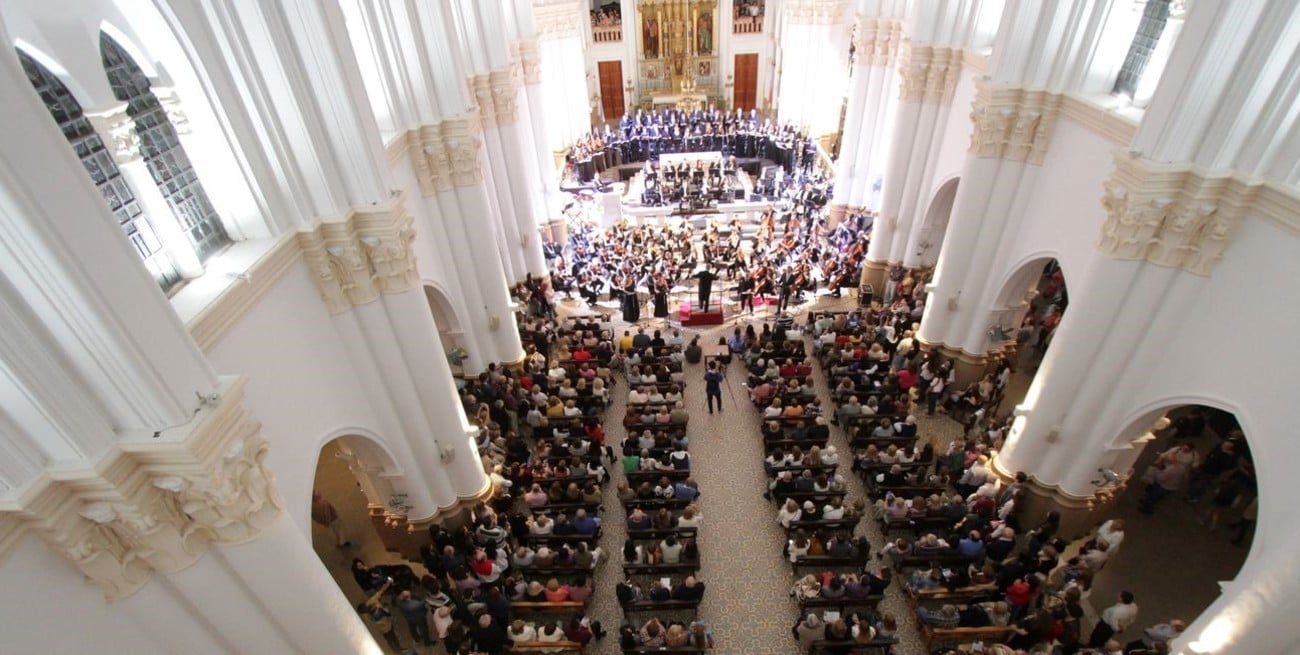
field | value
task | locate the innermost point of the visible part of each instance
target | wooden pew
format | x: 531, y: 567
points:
x: 659, y: 606
x: 881, y: 646
x: 635, y: 478
x: 844, y: 524
x: 660, y: 570
x: 960, y: 596
x: 946, y: 558
x: 545, y: 647
x: 565, y: 607
x: 841, y: 605
x: 991, y: 634
x: 828, y: 561
x: 656, y: 650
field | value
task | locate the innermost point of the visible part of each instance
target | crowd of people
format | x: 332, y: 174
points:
x: 644, y: 136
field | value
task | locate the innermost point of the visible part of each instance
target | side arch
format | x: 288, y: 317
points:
x: 934, y: 226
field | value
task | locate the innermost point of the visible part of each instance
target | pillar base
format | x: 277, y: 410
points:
x: 516, y: 365
x: 1080, y: 515
x: 837, y: 214
x: 873, y: 273
x: 969, y: 367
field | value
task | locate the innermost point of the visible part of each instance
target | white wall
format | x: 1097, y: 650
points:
x: 300, y: 383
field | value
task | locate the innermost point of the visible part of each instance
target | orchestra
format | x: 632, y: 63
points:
x: 634, y: 264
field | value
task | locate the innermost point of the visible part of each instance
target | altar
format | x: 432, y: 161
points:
x: 682, y: 101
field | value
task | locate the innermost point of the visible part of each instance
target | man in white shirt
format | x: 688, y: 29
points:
x: 1114, y: 619
x: 1111, y: 532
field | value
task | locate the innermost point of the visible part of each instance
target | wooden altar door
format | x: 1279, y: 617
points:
x: 746, y: 82
x: 611, y: 89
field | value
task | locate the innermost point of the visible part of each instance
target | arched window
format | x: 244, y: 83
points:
x: 1155, y: 14
x: 99, y: 164
x: 163, y: 152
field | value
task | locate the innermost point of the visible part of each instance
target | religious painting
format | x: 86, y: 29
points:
x: 705, y: 68
x: 650, y: 37
x: 704, y: 34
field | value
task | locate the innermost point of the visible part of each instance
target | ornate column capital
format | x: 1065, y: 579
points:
x: 504, y: 85
x: 361, y: 256
x: 1013, y: 123
x: 878, y: 41
x: 1173, y: 215
x: 530, y: 61
x: 462, y: 136
x: 156, y: 505
x: 117, y: 129
x: 929, y: 73
x: 814, y: 12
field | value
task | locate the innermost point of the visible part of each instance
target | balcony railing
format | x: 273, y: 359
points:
x: 607, y: 33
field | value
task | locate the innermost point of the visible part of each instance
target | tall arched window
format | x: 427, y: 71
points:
x: 163, y: 152
x: 103, y: 171
x: 1155, y: 14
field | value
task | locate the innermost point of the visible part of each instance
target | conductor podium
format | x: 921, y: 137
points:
x: 690, y: 317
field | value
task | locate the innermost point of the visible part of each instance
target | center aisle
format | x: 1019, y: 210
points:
x: 748, y: 582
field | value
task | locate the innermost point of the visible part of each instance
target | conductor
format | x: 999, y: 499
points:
x: 706, y: 278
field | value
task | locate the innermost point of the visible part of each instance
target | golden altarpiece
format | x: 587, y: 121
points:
x: 678, y: 54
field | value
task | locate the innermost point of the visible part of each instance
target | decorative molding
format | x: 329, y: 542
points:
x: 560, y: 20
x: 1173, y: 215
x: 368, y: 253
x: 1106, y: 123
x: 530, y: 61
x: 117, y: 129
x: 215, y: 320
x: 929, y: 73
x: 977, y: 63
x: 1012, y: 123
x: 155, y: 505
x: 879, y: 41
x: 480, y: 88
x: 814, y: 12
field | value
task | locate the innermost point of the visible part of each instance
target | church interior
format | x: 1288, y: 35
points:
x: 756, y: 327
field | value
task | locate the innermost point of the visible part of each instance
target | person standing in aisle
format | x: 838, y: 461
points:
x: 713, y: 385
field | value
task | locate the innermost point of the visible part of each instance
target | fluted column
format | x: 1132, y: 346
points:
x: 870, y: 108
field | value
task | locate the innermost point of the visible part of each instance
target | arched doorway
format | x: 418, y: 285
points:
x: 450, y: 331
x: 1178, y: 549
x: 1024, y: 320
x: 929, y: 239
x: 353, y: 474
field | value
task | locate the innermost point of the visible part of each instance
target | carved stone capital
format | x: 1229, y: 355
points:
x: 356, y: 259
x: 504, y: 85
x: 879, y: 41
x: 1173, y: 215
x: 929, y: 74
x: 814, y: 12
x: 1013, y: 123
x: 480, y: 86
x: 156, y: 505
x: 530, y: 62
x: 463, y: 139
x: 117, y: 129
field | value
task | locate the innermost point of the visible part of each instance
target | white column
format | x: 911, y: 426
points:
x: 870, y: 110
